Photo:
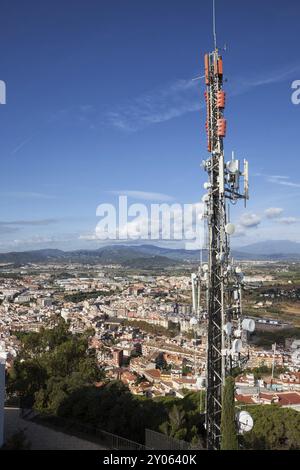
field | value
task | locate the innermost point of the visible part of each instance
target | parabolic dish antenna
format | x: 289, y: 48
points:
x: 229, y: 229
x: 237, y: 346
x: 227, y: 328
x: 248, y: 324
x: 233, y: 166
x: 244, y: 422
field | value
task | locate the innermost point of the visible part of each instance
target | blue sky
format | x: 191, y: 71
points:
x: 100, y: 101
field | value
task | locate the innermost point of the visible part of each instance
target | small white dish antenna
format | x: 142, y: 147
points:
x: 244, y: 422
x: 205, y: 268
x: 230, y: 229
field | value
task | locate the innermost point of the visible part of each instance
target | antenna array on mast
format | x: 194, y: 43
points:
x: 219, y: 279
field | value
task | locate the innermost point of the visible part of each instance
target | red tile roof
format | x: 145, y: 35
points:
x: 282, y: 399
x: 155, y: 373
x: 289, y: 398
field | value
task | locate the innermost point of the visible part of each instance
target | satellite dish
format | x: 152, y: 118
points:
x: 205, y: 268
x: 193, y: 321
x: 207, y: 185
x: 244, y: 422
x: 229, y: 229
x: 248, y: 324
x: 205, y: 198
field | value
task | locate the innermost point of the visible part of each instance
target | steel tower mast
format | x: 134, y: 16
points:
x: 221, y: 278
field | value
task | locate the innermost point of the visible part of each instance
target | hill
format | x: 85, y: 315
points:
x: 147, y: 256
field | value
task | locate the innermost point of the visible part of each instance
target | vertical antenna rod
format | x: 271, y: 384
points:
x: 214, y: 24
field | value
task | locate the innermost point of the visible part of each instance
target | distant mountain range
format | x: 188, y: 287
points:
x: 273, y: 247
x: 149, y: 256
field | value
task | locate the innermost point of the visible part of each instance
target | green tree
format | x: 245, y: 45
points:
x: 175, y: 427
x: 229, y: 440
x: 51, y: 365
x: 275, y: 428
x: 160, y: 362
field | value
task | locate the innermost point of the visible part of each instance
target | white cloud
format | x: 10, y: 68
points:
x: 4, y: 230
x: 21, y: 145
x: 282, y: 180
x: 38, y: 241
x: 180, y: 97
x: 287, y: 220
x: 240, y: 85
x: 143, y: 195
x: 161, y: 222
x: 273, y: 212
x: 29, y: 222
x: 250, y: 220
x: 159, y: 105
x: 239, y: 231
x: 276, y: 76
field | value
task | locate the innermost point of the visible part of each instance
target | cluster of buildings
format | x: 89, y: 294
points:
x: 283, y: 390
x: 144, y: 329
